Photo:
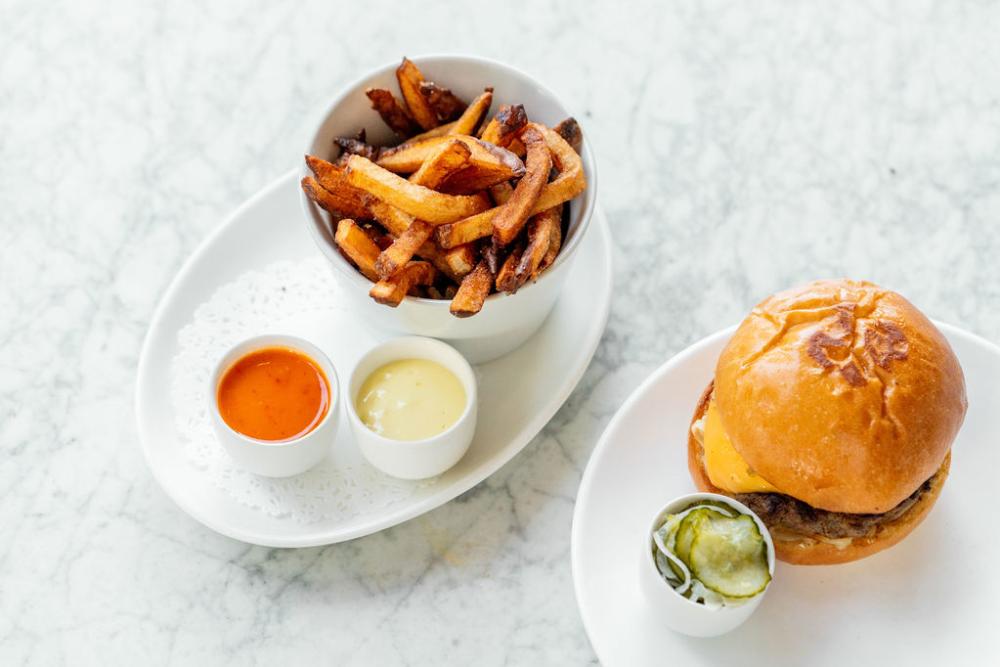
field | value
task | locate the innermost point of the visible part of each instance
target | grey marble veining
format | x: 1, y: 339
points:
x: 742, y: 147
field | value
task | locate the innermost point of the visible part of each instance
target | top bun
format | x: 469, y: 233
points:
x: 841, y: 394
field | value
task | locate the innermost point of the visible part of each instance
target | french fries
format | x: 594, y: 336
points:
x: 454, y: 262
x: 513, y: 215
x: 569, y: 130
x: 407, y: 158
x: 449, y: 157
x: 392, y: 112
x: 356, y: 146
x: 567, y: 184
x: 406, y: 245
x: 501, y: 192
x: 446, y: 214
x: 350, y: 201
x: 410, y: 79
x: 473, y: 114
x: 442, y: 101
x: 555, y: 245
x: 337, y: 206
x: 434, y: 207
x: 542, y: 230
x: 507, y: 279
x: 358, y: 247
x: 390, y: 291
x: 472, y: 293
x: 505, y: 125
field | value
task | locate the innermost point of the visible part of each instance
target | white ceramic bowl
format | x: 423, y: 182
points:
x: 678, y: 612
x: 414, y: 459
x: 506, y: 321
x: 286, y: 457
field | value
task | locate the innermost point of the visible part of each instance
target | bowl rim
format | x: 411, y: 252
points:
x: 588, y: 201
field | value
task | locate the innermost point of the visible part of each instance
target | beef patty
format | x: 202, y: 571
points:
x: 783, y: 512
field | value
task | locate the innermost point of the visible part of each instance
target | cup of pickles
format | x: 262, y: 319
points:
x: 707, y: 561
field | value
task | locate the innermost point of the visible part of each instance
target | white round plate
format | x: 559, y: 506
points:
x: 269, y: 228
x: 931, y: 599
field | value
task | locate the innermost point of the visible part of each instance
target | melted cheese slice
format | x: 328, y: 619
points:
x: 724, y: 465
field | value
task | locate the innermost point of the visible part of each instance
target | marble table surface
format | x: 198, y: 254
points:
x: 743, y: 147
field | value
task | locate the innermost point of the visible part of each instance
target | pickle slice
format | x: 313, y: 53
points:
x: 663, y: 543
x: 688, y: 528
x: 728, y: 555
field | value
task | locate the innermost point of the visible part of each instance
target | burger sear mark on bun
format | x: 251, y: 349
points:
x: 884, y: 341
x: 821, y: 344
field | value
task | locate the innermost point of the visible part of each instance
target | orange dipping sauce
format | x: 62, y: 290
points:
x: 274, y: 393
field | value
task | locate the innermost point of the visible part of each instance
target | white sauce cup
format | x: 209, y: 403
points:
x: 414, y: 459
x: 282, y: 458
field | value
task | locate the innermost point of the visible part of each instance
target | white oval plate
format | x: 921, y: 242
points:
x: 932, y: 597
x: 269, y: 228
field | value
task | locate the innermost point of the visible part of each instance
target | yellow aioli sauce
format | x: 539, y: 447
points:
x: 410, y: 399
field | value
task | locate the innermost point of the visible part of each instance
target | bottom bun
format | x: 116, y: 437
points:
x: 807, y: 550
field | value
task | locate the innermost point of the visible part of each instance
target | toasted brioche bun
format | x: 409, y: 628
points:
x: 841, y: 394
x: 807, y: 551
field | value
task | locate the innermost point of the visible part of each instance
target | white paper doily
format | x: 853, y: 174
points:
x: 276, y: 299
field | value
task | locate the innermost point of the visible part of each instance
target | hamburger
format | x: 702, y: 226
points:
x: 831, y: 415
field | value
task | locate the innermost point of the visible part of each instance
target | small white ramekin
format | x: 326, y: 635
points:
x: 678, y: 612
x: 282, y: 458
x: 414, y: 459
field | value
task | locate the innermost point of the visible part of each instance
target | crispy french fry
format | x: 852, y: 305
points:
x: 505, y: 125
x: 438, y: 131
x: 334, y: 204
x: 393, y: 112
x: 555, y: 245
x: 473, y: 114
x: 513, y: 215
x: 455, y: 262
x: 474, y: 178
x: 391, y: 291
x: 407, y: 158
x: 460, y: 260
x: 426, y: 204
x: 377, y: 234
x: 501, y: 192
x: 507, y: 278
x: 358, y: 246
x: 352, y: 202
x: 465, y: 231
x: 446, y: 105
x: 570, y: 182
x: 541, y: 229
x: 472, y: 293
x: 352, y: 146
x: 570, y: 130
x: 492, y: 258
x: 488, y: 164
x: 395, y: 221
x: 448, y: 158
x: 410, y: 77
x: 395, y: 257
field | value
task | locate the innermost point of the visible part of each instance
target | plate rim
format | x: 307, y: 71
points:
x: 655, y: 376
x: 526, y: 433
